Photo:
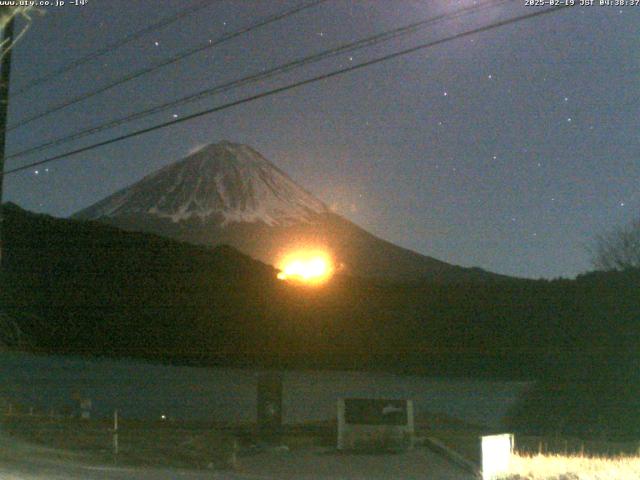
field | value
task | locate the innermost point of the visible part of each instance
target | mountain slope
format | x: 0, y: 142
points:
x: 227, y: 182
x: 230, y: 194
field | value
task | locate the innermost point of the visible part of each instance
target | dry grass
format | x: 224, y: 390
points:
x: 570, y: 446
x: 573, y: 467
x: 140, y: 442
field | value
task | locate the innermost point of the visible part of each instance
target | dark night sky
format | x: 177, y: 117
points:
x: 508, y: 150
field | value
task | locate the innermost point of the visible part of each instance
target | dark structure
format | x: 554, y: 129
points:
x: 270, y: 408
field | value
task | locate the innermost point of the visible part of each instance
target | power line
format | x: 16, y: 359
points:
x: 339, y: 50
x: 169, y: 61
x: 291, y: 86
x: 115, y: 45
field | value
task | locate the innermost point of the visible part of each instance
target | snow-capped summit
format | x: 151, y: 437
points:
x: 228, y: 181
x: 228, y: 193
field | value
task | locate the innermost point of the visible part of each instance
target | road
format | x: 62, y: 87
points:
x: 20, y: 461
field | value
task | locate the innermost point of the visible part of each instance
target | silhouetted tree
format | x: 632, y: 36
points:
x: 618, y: 249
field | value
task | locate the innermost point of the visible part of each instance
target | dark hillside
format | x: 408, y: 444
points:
x: 84, y: 287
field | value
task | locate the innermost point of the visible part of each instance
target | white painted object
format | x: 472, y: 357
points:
x: 375, y: 424
x: 496, y: 453
x: 115, y: 432
x: 85, y: 408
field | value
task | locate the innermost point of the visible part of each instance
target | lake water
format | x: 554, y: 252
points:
x: 144, y: 390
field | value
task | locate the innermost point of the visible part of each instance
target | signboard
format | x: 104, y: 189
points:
x: 85, y: 408
x: 375, y: 424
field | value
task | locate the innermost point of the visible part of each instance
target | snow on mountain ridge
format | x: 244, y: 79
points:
x: 226, y: 179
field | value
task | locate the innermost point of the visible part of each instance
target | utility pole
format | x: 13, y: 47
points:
x: 5, y: 73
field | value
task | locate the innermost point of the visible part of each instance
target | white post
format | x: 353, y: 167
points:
x: 342, y: 425
x: 115, y: 432
x: 234, y: 454
x: 411, y: 429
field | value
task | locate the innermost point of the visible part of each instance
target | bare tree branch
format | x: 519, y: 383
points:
x: 618, y: 249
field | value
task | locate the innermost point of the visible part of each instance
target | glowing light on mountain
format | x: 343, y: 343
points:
x: 311, y: 267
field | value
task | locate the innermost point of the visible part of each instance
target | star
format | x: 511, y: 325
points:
x: 489, y: 76
x: 445, y: 94
x: 156, y: 43
x: 569, y: 119
x: 175, y: 115
x: 622, y: 204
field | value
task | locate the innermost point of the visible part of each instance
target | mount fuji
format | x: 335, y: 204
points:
x: 227, y: 193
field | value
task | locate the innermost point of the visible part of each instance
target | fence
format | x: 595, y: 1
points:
x: 124, y: 440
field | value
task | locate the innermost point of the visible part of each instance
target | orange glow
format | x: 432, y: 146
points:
x: 311, y: 267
